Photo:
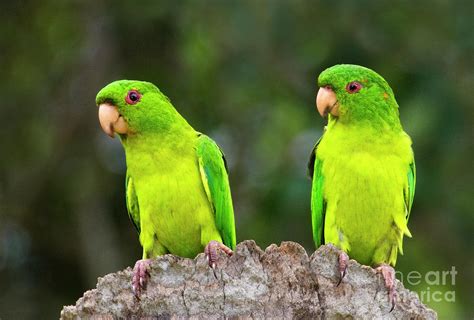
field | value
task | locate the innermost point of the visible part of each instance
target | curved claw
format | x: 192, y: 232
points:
x: 140, y: 276
x: 343, y: 262
x: 388, y: 274
x: 211, y: 252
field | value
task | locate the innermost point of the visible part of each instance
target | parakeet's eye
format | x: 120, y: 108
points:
x: 133, y: 96
x: 353, y: 87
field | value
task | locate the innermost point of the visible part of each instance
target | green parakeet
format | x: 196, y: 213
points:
x: 363, y: 170
x: 177, y: 189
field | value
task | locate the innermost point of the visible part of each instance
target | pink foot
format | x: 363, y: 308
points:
x: 211, y: 252
x: 343, y: 262
x: 140, y: 276
x: 388, y: 274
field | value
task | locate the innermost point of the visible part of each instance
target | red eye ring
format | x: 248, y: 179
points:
x: 133, y: 97
x: 353, y: 87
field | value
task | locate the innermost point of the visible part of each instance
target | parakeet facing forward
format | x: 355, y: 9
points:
x: 177, y: 189
x: 363, y: 170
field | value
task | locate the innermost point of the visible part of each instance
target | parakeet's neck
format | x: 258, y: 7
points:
x: 149, y: 151
x: 375, y: 116
x: 377, y: 124
x: 364, y: 135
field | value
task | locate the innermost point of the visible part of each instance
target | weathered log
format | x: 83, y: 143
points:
x: 281, y: 282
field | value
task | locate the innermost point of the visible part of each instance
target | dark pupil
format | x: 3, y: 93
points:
x: 133, y: 96
x: 353, y: 87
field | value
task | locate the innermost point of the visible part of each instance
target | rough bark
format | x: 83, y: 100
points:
x: 279, y: 283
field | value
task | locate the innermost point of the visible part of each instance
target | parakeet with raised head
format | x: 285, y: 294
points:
x: 177, y: 188
x: 363, y: 171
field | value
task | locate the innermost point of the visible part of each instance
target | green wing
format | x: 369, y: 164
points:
x: 318, y: 204
x: 214, y: 176
x: 132, y: 202
x: 409, y: 193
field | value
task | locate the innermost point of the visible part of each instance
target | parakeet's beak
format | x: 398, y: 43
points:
x: 326, y: 102
x: 111, y: 121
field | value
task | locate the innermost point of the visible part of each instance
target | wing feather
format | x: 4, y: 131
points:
x: 318, y: 203
x: 213, y: 168
x: 132, y: 202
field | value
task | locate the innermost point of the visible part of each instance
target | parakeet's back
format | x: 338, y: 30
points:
x: 363, y: 169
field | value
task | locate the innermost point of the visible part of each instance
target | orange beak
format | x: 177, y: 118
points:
x: 326, y: 102
x: 111, y: 121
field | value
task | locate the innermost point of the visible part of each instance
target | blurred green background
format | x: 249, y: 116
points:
x: 244, y: 72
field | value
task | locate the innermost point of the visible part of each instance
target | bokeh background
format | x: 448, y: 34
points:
x: 244, y: 72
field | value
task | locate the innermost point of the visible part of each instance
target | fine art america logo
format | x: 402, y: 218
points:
x: 439, y: 285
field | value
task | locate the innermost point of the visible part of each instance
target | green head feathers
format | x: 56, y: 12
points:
x: 130, y: 107
x: 352, y: 93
